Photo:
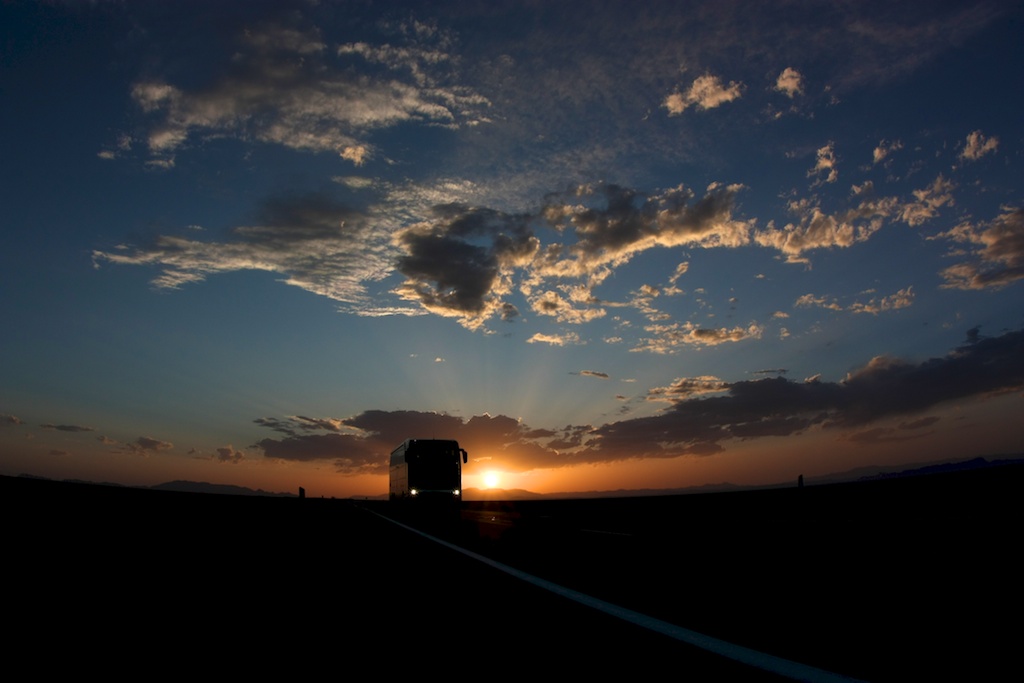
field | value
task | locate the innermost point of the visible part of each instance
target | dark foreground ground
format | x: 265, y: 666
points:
x: 912, y: 579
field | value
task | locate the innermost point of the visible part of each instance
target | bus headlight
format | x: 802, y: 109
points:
x: 414, y: 492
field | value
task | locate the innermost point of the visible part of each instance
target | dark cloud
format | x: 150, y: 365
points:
x: 283, y: 426
x: 625, y: 219
x: 884, y: 388
x: 509, y: 312
x: 227, y: 454
x: 145, y: 445
x: 67, y: 428
x: 364, y: 448
x: 446, y: 273
x: 350, y: 454
x: 454, y: 262
x: 10, y: 420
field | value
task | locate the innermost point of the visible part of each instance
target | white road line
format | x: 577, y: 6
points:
x: 744, y: 655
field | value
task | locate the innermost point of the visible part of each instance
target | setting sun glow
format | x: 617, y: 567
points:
x: 491, y: 480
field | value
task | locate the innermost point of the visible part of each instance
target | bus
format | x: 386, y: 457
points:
x: 427, y: 469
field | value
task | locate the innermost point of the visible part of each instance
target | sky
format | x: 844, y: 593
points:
x: 604, y: 246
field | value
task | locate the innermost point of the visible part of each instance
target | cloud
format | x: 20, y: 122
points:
x: 905, y: 431
x: 670, y: 338
x: 884, y: 149
x: 227, y: 454
x: 282, y: 86
x: 593, y: 373
x: 901, y: 299
x: 790, y: 82
x: 10, y: 420
x: 928, y: 201
x: 998, y: 252
x: 978, y: 145
x: 825, y: 166
x: 882, y: 389
x: 612, y: 223
x: 313, y: 241
x: 706, y: 92
x: 554, y: 339
x: 145, y: 445
x: 550, y: 303
x: 817, y: 229
x: 350, y: 454
x: 458, y: 263
x: 499, y: 441
x: 67, y: 428
x: 364, y: 448
x: 468, y: 262
x: 687, y: 387
x: 810, y: 300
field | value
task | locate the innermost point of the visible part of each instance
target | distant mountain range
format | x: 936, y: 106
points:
x: 471, y: 494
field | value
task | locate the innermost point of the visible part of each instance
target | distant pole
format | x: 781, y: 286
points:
x: 302, y: 492
x: 800, y: 481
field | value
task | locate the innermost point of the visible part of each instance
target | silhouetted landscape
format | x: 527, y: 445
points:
x: 892, y: 578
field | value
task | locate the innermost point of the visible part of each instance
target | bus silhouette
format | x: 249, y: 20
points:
x: 427, y: 469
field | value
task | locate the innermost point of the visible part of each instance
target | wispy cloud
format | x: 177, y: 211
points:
x: 313, y: 241
x: 284, y: 85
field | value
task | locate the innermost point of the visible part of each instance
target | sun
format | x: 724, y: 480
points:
x: 491, y: 480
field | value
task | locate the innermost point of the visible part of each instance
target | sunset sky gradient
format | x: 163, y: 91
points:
x: 603, y: 245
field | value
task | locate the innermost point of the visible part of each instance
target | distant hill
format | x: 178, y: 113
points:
x: 225, y: 489
x: 179, y: 486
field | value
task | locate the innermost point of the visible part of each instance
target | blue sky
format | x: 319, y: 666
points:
x: 603, y: 246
